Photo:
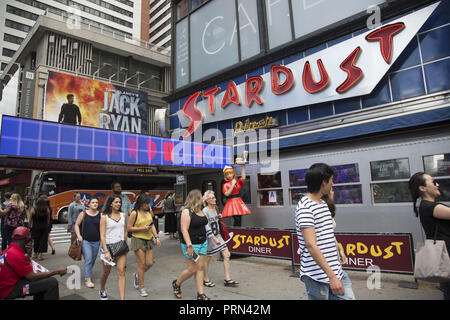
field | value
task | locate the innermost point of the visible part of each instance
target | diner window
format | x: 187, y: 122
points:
x: 391, y: 178
x: 438, y: 166
x: 270, y: 192
x: 182, y: 9
x: 347, y: 189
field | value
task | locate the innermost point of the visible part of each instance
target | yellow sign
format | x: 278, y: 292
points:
x: 267, y: 122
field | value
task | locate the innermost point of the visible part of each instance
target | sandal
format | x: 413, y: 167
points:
x: 202, y: 297
x: 230, y: 283
x: 208, y: 284
x: 176, y: 289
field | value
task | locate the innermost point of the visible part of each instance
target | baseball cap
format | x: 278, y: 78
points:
x: 21, y: 233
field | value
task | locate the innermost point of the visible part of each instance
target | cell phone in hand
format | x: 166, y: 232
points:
x: 195, y: 256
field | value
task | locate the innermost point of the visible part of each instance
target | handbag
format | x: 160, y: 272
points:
x: 75, y: 248
x: 224, y: 231
x: 118, y: 248
x: 432, y: 260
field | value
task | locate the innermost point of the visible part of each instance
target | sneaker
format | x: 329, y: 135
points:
x: 103, y: 295
x: 109, y: 262
x: 136, y: 281
x: 143, y: 292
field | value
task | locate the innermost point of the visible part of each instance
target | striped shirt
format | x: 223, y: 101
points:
x: 310, y: 214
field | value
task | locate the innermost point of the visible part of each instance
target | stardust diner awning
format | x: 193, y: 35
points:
x: 38, y: 144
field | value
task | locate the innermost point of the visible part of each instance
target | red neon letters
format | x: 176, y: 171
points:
x: 231, y: 95
x: 278, y: 88
x: 254, y: 85
x: 191, y: 111
x: 308, y: 82
x: 353, y: 73
x: 384, y: 35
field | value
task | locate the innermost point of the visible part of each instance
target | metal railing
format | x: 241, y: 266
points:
x: 117, y: 35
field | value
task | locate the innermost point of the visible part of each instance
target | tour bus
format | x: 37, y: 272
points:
x: 61, y: 186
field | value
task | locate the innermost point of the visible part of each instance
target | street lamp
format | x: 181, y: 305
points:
x: 152, y: 77
x: 134, y: 75
x: 98, y: 70
x: 121, y: 69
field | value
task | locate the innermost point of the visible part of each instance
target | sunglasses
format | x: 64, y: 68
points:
x: 435, y: 183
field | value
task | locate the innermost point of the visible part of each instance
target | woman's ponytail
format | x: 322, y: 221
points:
x: 415, y: 182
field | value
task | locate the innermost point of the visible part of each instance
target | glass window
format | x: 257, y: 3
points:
x: 269, y: 189
x: 312, y: 15
x: 270, y: 198
x: 346, y: 173
x: 390, y: 192
x: 297, y: 177
x: 347, y: 194
x: 346, y: 190
x: 248, y: 28
x: 278, y: 22
x: 444, y: 188
x: 297, y: 194
x: 182, y: 54
x: 269, y: 181
x: 437, y: 165
x: 390, y: 169
x: 211, y: 38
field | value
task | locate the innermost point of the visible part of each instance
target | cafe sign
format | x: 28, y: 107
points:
x: 348, y: 69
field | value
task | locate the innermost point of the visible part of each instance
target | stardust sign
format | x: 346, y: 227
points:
x: 261, y: 243
x: 390, y: 252
x: 349, y: 69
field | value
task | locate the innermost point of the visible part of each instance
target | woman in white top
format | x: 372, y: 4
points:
x: 112, y: 229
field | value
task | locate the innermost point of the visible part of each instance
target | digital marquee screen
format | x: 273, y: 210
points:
x: 42, y: 139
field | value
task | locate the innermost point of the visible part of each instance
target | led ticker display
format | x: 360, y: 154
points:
x: 41, y: 139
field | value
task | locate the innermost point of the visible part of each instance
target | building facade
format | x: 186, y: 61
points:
x: 160, y: 23
x: 360, y: 85
x: 120, y: 17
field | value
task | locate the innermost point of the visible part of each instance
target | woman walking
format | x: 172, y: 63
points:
x: 113, y: 232
x: 193, y: 243
x: 143, y: 230
x: 89, y: 237
x: 434, y: 216
x: 40, y: 221
x: 170, y: 217
x: 216, y: 243
x: 15, y: 215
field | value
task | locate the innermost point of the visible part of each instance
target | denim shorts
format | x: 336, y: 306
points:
x: 199, y: 249
x: 321, y: 291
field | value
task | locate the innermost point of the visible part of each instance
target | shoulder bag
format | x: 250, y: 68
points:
x: 432, y: 260
x: 75, y: 248
x: 118, y: 248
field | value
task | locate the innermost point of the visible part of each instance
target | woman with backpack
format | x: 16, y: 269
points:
x: 142, y: 229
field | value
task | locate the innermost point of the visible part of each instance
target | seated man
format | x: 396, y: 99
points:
x: 17, y: 278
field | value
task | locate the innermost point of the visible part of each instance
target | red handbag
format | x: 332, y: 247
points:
x: 224, y: 231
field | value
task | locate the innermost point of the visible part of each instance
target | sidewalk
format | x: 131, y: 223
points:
x: 260, y: 279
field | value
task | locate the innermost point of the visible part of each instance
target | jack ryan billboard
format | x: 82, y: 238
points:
x: 101, y: 104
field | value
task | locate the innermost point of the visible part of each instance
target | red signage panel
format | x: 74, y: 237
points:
x: 261, y: 242
x: 389, y: 252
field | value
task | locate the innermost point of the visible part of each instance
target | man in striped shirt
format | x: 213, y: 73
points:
x: 320, y: 268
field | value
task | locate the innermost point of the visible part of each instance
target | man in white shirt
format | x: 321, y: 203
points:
x: 320, y: 268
